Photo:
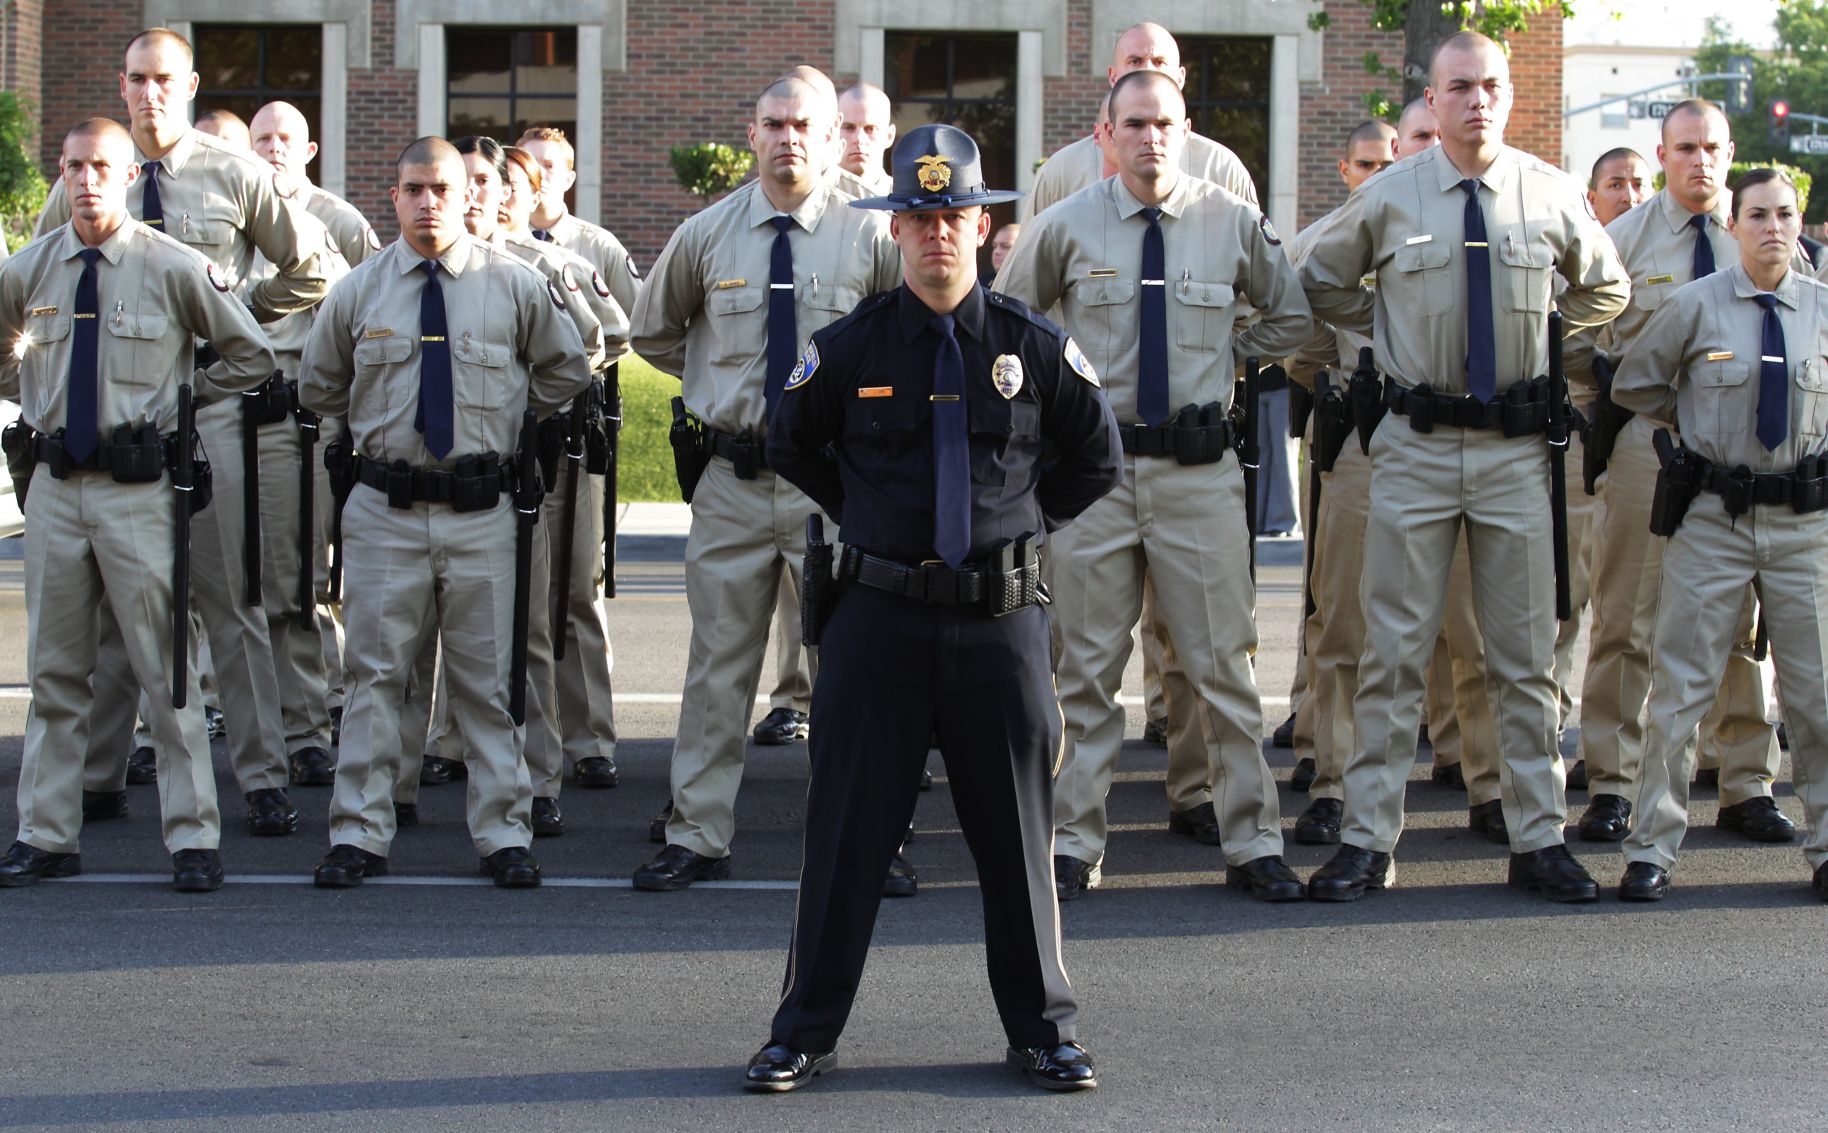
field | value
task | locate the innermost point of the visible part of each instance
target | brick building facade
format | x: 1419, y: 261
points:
x: 650, y: 74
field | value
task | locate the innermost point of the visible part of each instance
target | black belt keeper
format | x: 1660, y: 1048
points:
x: 1196, y: 435
x: 747, y: 452
x: 1522, y: 411
x: 271, y: 401
x: 475, y: 484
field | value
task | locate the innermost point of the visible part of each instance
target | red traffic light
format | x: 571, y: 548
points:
x: 1780, y: 109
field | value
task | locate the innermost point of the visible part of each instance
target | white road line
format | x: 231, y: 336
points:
x: 305, y: 879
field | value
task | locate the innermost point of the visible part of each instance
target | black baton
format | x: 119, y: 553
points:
x: 307, y: 513
x: 180, y: 551
x: 1558, y: 468
x: 1322, y: 387
x: 527, y: 510
x: 250, y: 494
x: 574, y: 471
x: 612, y: 428
x: 1248, y: 455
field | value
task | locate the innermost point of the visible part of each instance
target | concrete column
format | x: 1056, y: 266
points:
x: 1284, y: 133
x: 431, y: 80
x: 589, y: 142
x: 1030, y: 107
x: 333, y: 120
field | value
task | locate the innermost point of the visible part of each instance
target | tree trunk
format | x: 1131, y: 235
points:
x: 1424, y: 27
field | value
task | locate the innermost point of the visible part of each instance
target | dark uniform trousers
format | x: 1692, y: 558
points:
x: 894, y: 671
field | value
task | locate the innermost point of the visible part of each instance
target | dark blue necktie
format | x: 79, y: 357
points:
x: 80, y: 424
x: 542, y: 234
x: 1704, y: 248
x: 783, y: 338
x: 152, y: 210
x: 1481, y: 338
x: 1773, y: 379
x: 436, y: 414
x: 1152, y: 341
x: 951, y: 449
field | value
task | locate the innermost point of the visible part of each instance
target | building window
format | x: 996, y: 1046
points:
x: 1615, y: 115
x: 503, y: 80
x: 1228, y: 98
x: 242, y: 67
x: 968, y: 81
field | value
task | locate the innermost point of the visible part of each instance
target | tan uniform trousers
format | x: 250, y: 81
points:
x: 1191, y: 770
x: 330, y: 627
x: 92, y: 544
x: 298, y: 643
x: 1627, y: 567
x: 792, y: 679
x: 580, y: 682
x: 1467, y: 675
x: 1581, y: 511
x: 408, y: 573
x: 241, y: 651
x: 743, y: 533
x: 1709, y: 562
x: 1182, y: 527
x: 1426, y: 487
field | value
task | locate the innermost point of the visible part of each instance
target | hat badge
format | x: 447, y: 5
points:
x: 935, y: 172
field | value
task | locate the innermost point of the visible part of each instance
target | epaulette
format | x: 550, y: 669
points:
x: 837, y: 328
x: 1000, y: 302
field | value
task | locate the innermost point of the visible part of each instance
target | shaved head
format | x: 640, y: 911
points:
x: 97, y: 167
x: 1147, y: 46
x: 1700, y: 107
x: 162, y: 36
x: 1145, y: 79
x: 813, y: 77
x: 429, y: 150
x: 106, y: 130
x: 228, y: 126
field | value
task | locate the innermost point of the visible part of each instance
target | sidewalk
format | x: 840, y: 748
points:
x: 654, y: 519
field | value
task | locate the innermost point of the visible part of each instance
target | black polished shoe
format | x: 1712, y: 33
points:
x: 1063, y: 1067
x: 1267, y: 879
x: 1073, y: 877
x: 312, y: 767
x: 656, y: 826
x: 1350, y: 874
x: 1553, y: 872
x: 677, y: 867
x: 215, y: 722
x: 1284, y: 735
x: 1303, y: 776
x: 344, y: 867
x: 926, y: 779
x: 1643, y: 881
x: 595, y: 772
x: 1155, y: 732
x: 24, y: 865
x: 547, y: 821
x: 196, y: 871
x: 513, y: 867
x: 1577, y: 776
x: 1200, y: 824
x: 780, y: 727
x: 100, y: 806
x: 777, y: 1068
x: 270, y: 813
x: 437, y: 770
x: 1820, y: 883
x: 1448, y: 775
x: 142, y: 767
x: 1608, y: 819
x: 1319, y: 823
x: 901, y: 881
x: 1757, y: 819
x: 1708, y: 777
x: 406, y: 814
x: 1487, y: 821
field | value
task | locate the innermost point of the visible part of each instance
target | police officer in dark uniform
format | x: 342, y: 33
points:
x: 918, y: 421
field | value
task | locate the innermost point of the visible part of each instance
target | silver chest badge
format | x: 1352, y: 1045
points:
x: 1006, y: 375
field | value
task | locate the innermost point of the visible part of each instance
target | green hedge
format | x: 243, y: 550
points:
x: 644, y: 466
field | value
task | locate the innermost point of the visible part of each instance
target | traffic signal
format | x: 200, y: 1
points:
x: 1739, y: 91
x: 1780, y: 120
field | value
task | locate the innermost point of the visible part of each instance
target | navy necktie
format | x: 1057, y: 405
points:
x: 80, y: 425
x: 1704, y: 248
x: 542, y: 234
x: 1773, y: 379
x: 152, y: 210
x: 1152, y: 341
x: 783, y: 338
x: 1481, y: 337
x: 436, y: 414
x: 951, y: 449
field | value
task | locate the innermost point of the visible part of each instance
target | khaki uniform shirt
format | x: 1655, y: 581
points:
x: 1081, y: 164
x: 588, y: 302
x: 1083, y: 262
x: 347, y: 228
x: 221, y: 201
x: 511, y: 348
x: 1329, y: 347
x: 602, y: 251
x: 153, y: 295
x: 350, y: 233
x: 703, y: 314
x: 1405, y: 227
x: 1697, y: 363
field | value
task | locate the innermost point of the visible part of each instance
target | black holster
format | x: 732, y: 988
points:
x: 339, y: 462
x: 1603, y: 428
x: 17, y: 441
x: 550, y: 446
x: 597, y: 440
x: 1678, y: 483
x: 1013, y: 576
x: 687, y: 436
x: 1367, y: 399
x: 1202, y: 434
x: 1300, y: 408
x: 818, y: 582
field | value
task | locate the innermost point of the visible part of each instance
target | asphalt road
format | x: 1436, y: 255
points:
x: 433, y: 1001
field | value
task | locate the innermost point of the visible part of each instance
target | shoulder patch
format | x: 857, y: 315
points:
x: 1080, y: 363
x: 597, y: 285
x: 558, y: 300
x: 374, y: 241
x: 1269, y: 231
x: 804, y: 368
x: 571, y: 284
x: 215, y: 278
x: 633, y: 271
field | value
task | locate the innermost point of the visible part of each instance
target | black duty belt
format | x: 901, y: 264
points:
x: 1803, y: 491
x: 931, y: 582
x: 1188, y: 444
x: 476, y: 483
x: 1521, y: 412
x: 745, y: 450
x: 133, y: 455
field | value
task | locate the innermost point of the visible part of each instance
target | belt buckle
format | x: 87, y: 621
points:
x: 929, y: 573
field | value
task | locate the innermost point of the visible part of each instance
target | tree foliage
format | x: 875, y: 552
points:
x: 1797, y: 72
x: 22, y: 187
x: 1424, y: 24
x: 711, y: 168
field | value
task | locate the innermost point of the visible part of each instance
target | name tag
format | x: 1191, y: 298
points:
x: 1102, y: 273
x: 876, y: 391
x: 1422, y: 239
x: 943, y: 397
x: 384, y: 332
x: 1720, y: 356
x: 1655, y: 280
x: 727, y: 284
